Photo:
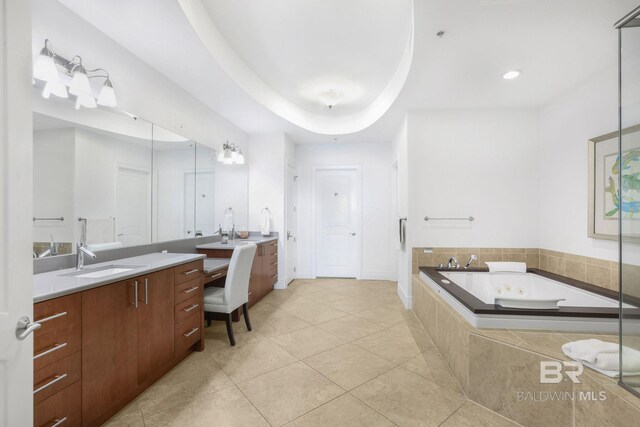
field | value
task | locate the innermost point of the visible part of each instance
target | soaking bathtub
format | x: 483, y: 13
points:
x: 532, y: 300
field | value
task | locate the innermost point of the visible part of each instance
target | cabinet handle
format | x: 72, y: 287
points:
x: 193, y: 331
x: 135, y: 293
x: 54, y: 316
x: 58, y: 422
x: 187, y: 273
x: 55, y: 347
x: 215, y: 275
x: 274, y: 263
x: 188, y: 291
x: 274, y: 276
x: 274, y: 244
x: 146, y: 291
x: 193, y: 307
x: 55, y: 379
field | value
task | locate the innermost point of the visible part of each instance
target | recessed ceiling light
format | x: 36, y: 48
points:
x: 510, y: 75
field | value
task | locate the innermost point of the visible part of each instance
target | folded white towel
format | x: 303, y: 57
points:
x: 588, y: 350
x: 512, y: 267
x: 611, y: 361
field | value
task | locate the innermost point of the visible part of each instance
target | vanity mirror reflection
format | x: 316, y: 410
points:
x: 109, y: 179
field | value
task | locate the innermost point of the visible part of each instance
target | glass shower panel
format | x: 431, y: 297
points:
x: 629, y: 200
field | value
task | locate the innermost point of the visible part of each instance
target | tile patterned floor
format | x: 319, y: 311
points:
x: 327, y: 352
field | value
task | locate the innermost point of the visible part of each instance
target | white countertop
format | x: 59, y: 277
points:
x: 54, y: 284
x: 236, y: 242
x: 213, y: 264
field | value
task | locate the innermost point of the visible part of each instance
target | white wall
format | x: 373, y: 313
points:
x: 566, y: 124
x: 375, y: 160
x: 267, y: 172
x: 403, y: 252
x: 481, y: 163
x: 53, y: 184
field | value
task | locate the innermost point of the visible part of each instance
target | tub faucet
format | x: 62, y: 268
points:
x: 472, y: 258
x: 80, y: 253
x: 453, y: 263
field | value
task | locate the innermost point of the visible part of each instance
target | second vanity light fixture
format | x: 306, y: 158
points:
x: 46, y: 69
x: 231, y: 154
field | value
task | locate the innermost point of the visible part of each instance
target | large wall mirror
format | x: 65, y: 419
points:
x: 109, y: 179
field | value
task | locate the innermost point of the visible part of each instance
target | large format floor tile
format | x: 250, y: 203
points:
x: 350, y: 328
x: 346, y: 410
x: 287, y: 393
x: 307, y: 342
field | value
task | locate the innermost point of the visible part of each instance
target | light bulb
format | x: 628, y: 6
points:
x: 84, y: 100
x: 80, y: 82
x: 221, y: 156
x: 510, y: 75
x: 45, y: 67
x: 55, y: 87
x: 107, y: 96
x: 240, y: 160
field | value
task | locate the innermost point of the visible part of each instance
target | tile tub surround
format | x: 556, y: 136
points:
x: 492, y: 366
x: 594, y: 271
x: 358, y: 365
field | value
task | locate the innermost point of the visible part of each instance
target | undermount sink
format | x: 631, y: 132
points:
x: 96, y: 273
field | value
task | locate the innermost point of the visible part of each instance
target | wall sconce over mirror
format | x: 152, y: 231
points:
x: 231, y: 154
x: 58, y: 73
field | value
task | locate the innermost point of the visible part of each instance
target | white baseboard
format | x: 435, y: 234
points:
x: 407, y: 300
x: 378, y: 275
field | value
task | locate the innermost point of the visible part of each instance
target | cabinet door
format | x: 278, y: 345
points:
x: 155, y: 322
x: 255, y: 283
x: 109, y: 348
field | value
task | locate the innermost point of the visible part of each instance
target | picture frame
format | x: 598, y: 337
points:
x: 604, y: 204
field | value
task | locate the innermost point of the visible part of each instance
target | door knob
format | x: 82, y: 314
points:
x: 289, y: 235
x: 353, y: 234
x: 25, y: 327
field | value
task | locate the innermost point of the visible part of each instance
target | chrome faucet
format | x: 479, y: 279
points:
x: 81, y: 251
x: 472, y: 258
x: 453, y: 263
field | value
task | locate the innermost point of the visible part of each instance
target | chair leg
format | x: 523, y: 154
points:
x: 232, y: 339
x: 245, y: 311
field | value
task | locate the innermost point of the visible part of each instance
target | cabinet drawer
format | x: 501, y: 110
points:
x: 56, y: 376
x: 272, y: 248
x: 188, y: 332
x: 187, y: 290
x: 62, y: 409
x: 189, y: 271
x: 56, y: 345
x: 215, y: 275
x: 57, y: 313
x: 188, y: 308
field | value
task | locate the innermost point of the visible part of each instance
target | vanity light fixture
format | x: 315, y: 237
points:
x: 231, y: 154
x: 48, y: 66
x: 510, y: 75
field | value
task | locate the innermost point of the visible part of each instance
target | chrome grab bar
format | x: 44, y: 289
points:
x: 193, y: 331
x: 55, y: 347
x: 193, y: 307
x: 53, y: 316
x: 469, y: 218
x: 58, y: 422
x: 56, y: 379
x: 188, y: 291
x: 61, y: 218
x: 195, y: 270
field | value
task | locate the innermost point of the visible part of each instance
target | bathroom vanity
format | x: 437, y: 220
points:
x: 104, y: 340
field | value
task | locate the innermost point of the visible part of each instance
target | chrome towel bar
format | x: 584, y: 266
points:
x: 35, y: 218
x: 470, y: 218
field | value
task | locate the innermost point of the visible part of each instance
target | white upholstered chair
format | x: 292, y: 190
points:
x: 235, y: 293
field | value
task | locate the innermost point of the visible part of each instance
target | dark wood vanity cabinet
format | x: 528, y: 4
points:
x: 129, y: 334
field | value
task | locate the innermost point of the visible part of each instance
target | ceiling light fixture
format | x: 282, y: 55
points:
x: 231, y: 154
x: 48, y: 66
x: 330, y: 97
x: 510, y: 75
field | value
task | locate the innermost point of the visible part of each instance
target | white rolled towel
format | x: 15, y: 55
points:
x: 503, y: 267
x: 611, y: 361
x: 588, y: 350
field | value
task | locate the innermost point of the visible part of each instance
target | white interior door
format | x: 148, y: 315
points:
x: 291, y: 223
x: 16, y: 210
x: 133, y: 206
x: 205, y: 203
x: 337, y: 223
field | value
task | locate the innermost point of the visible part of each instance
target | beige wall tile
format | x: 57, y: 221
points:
x: 575, y: 269
x: 414, y: 260
x: 514, y: 251
x: 555, y: 264
x: 555, y: 253
x: 488, y: 257
x: 533, y: 260
x: 533, y: 251
x: 425, y: 260
x: 490, y: 250
x: 452, y: 340
x: 514, y: 257
x: 497, y: 372
x: 613, y: 410
x: 599, y: 276
x: 576, y: 258
x: 599, y: 262
x: 543, y: 261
